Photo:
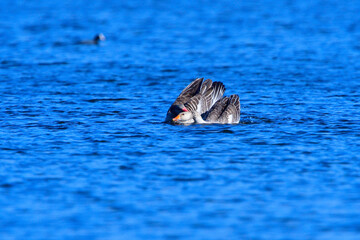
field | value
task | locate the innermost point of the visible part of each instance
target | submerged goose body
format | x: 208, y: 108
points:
x: 202, y: 102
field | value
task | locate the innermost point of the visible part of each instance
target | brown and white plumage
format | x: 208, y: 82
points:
x: 179, y: 105
x: 206, y: 105
x: 198, y: 96
x: 226, y: 110
x: 208, y: 94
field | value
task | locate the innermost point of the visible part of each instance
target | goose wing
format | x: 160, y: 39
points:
x: 231, y: 113
x: 215, y: 112
x: 209, y: 93
x: 191, y: 90
x: 218, y: 92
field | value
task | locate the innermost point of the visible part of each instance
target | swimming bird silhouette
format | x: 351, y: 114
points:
x: 97, y: 38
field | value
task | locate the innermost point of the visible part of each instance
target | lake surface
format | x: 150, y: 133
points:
x: 85, y: 153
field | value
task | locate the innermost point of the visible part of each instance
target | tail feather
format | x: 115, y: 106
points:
x: 234, y: 99
x: 232, y: 112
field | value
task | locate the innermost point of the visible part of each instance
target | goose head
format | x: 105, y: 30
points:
x: 175, y: 110
x: 184, y: 118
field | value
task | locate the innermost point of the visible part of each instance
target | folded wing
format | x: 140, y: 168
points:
x: 225, y: 110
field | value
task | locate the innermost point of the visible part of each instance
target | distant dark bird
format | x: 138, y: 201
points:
x: 98, y: 37
x: 203, y: 102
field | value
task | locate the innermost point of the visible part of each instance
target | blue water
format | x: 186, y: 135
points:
x: 85, y: 154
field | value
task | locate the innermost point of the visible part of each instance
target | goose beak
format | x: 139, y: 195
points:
x: 176, y: 118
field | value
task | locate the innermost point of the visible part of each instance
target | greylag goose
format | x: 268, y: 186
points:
x: 198, y: 96
x: 225, y: 111
x: 98, y: 37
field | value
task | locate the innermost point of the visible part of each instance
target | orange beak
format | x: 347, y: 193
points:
x: 176, y: 118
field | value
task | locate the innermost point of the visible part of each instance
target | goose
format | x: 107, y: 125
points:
x: 225, y: 111
x: 97, y: 38
x: 202, y: 102
x: 199, y: 95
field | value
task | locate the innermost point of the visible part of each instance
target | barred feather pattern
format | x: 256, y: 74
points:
x: 205, y: 98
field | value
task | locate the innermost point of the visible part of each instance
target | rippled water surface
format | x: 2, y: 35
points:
x: 85, y: 154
